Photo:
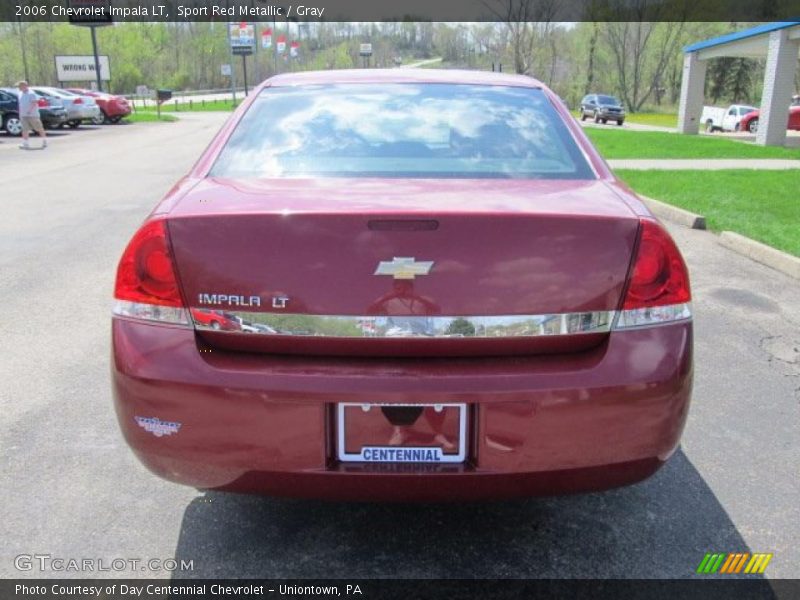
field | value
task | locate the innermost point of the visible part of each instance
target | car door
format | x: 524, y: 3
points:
x: 730, y: 118
x: 7, y: 102
x: 794, y: 117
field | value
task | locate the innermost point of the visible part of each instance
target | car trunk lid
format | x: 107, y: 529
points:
x: 403, y: 267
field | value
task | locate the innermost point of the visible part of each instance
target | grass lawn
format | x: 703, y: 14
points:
x: 149, y: 117
x: 194, y: 106
x: 762, y: 205
x: 660, y: 119
x: 618, y: 143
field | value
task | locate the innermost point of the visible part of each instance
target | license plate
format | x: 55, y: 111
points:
x: 402, y: 433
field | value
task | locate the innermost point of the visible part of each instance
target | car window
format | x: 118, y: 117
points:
x: 406, y: 130
x: 611, y: 100
x: 745, y: 109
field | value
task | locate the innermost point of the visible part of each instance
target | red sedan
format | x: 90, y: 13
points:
x: 450, y: 296
x: 113, y: 108
x: 750, y: 120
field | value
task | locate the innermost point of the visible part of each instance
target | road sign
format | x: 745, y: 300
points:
x: 91, y: 13
x: 81, y: 68
x: 365, y: 50
x: 226, y: 70
x: 243, y: 38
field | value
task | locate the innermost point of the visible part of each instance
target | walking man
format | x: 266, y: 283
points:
x: 29, y: 115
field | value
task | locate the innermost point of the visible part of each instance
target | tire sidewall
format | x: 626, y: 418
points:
x: 13, y: 118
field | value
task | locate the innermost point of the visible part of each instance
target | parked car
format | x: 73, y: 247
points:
x: 750, y: 121
x: 79, y: 108
x: 715, y: 118
x: 51, y: 111
x: 113, y: 108
x: 602, y: 108
x: 407, y: 200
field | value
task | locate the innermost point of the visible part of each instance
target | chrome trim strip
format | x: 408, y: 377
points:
x: 150, y: 312
x: 653, y: 316
x: 346, y: 326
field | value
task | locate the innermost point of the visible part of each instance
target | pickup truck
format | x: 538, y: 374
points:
x: 724, y: 119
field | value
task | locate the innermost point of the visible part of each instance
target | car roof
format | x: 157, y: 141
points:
x: 452, y: 76
x: 11, y: 91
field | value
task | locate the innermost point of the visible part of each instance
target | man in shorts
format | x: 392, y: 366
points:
x: 29, y: 115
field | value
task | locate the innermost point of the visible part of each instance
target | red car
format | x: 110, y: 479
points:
x: 215, y: 319
x: 453, y: 298
x: 113, y: 108
x: 749, y: 122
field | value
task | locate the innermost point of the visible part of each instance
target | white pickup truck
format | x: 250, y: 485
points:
x: 724, y: 119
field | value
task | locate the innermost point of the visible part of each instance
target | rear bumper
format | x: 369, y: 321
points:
x: 117, y: 110
x: 538, y: 425
x: 83, y: 113
x: 53, y: 118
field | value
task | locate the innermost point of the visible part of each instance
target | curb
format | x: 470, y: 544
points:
x: 766, y: 255
x: 675, y: 214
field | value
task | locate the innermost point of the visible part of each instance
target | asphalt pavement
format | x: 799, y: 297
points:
x: 72, y: 489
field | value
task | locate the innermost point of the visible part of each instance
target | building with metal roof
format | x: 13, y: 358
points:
x: 778, y: 43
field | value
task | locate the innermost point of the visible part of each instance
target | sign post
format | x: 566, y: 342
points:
x: 99, y: 15
x: 365, y: 51
x: 243, y: 41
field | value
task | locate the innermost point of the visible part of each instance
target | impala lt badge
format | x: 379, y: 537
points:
x: 403, y: 268
x: 279, y: 301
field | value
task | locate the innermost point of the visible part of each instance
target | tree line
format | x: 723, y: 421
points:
x: 639, y: 61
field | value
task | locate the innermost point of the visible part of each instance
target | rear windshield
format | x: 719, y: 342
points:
x: 407, y: 130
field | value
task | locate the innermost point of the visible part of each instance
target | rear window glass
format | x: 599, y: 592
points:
x: 404, y: 130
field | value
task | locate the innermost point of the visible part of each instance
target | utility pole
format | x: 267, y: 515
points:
x: 230, y: 51
x: 96, y: 58
x: 24, y: 49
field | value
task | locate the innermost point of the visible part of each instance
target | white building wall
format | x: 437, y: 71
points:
x: 778, y: 88
x: 692, y: 84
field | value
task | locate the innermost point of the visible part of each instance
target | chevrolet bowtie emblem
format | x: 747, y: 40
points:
x: 403, y: 268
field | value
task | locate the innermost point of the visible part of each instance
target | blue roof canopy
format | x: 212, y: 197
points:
x: 740, y: 35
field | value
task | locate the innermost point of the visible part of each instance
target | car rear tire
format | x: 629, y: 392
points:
x: 709, y: 126
x: 12, y: 125
x: 604, y: 121
x: 99, y: 119
x: 583, y: 116
x: 620, y: 122
x: 73, y: 124
x: 752, y: 126
x: 215, y: 325
x: 115, y: 120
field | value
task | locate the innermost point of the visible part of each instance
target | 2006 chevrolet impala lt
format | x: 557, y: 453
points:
x: 402, y: 285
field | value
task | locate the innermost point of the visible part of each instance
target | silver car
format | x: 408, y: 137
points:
x: 79, y: 108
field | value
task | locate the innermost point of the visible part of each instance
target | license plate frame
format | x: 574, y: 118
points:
x: 441, y: 456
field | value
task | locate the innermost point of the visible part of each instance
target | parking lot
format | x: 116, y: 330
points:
x: 74, y: 490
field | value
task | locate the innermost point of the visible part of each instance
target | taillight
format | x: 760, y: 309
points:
x: 43, y: 103
x: 146, y: 286
x: 78, y: 101
x: 658, y: 290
